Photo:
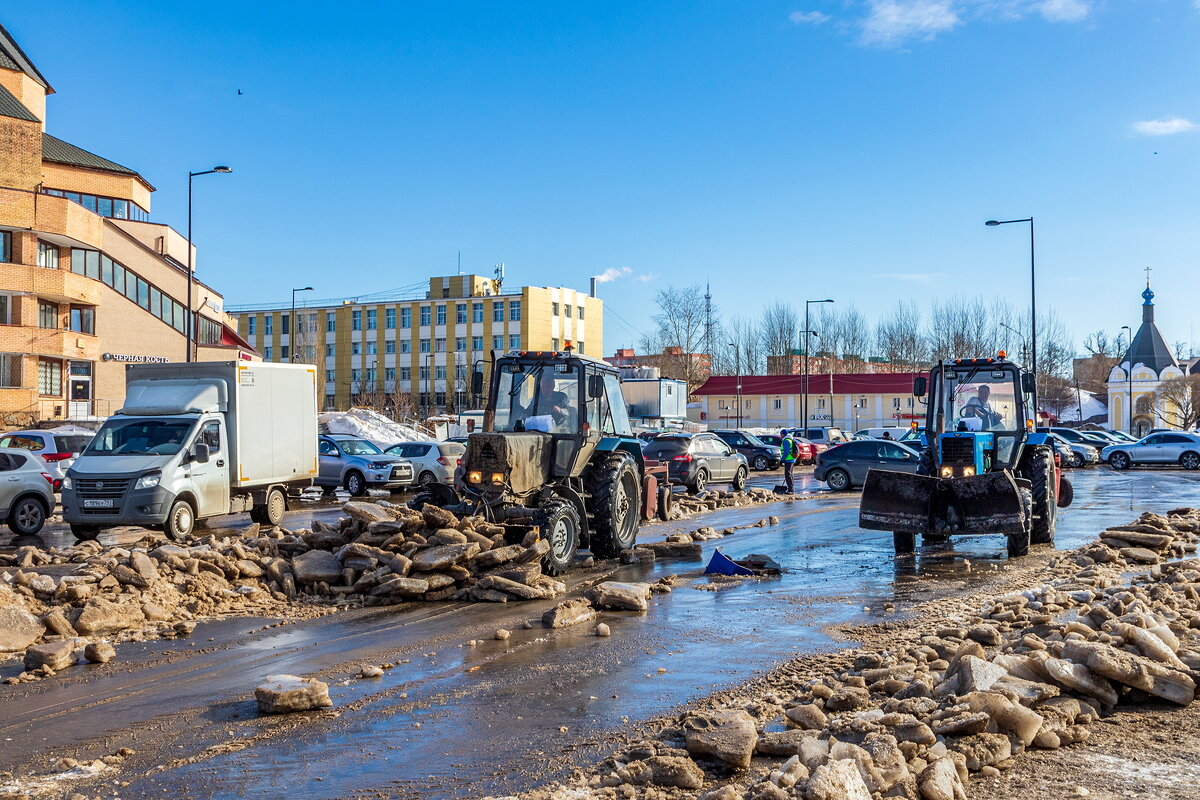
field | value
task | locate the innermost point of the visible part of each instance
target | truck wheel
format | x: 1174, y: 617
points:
x: 271, y: 512
x: 904, y: 542
x: 615, y: 504
x: 666, y: 501
x: 1045, y: 501
x: 27, y: 516
x: 356, y: 484
x: 739, y: 480
x: 85, y: 533
x: 1018, y: 541
x: 180, y: 521
x: 559, y: 524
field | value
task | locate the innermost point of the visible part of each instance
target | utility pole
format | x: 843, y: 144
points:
x: 708, y: 348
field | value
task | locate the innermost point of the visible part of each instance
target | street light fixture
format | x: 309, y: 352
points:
x: 293, y: 328
x: 1021, y: 336
x: 190, y: 336
x: 991, y: 223
x: 1129, y: 373
x: 808, y: 333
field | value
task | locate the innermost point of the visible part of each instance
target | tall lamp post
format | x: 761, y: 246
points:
x: 991, y: 223
x: 1024, y: 344
x: 808, y: 333
x: 737, y: 377
x: 1129, y: 373
x: 191, y: 321
x: 294, y: 328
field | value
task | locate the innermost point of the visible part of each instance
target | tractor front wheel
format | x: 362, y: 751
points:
x: 1018, y: 541
x: 615, y: 504
x: 1045, y: 495
x: 559, y: 524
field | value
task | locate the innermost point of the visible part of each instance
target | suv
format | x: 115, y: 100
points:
x: 1076, y: 436
x: 806, y: 451
x: 759, y: 454
x: 56, y: 450
x: 695, y: 460
x: 357, y: 465
x: 26, y: 499
x: 433, y: 462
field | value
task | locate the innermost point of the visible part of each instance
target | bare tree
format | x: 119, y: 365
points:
x: 1179, y: 401
x: 855, y: 337
x: 748, y: 349
x: 959, y: 327
x: 679, y: 333
x: 1181, y: 350
x: 779, y: 329
x: 899, y: 339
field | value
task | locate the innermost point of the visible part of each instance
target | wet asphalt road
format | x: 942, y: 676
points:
x: 467, y: 721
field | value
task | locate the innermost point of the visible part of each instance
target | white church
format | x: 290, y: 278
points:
x: 1152, y: 363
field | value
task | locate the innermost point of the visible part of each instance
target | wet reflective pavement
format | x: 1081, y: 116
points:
x: 458, y: 720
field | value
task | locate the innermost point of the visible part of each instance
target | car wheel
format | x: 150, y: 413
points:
x: 739, y: 480
x: 761, y: 463
x: 1190, y: 461
x: 699, y: 482
x: 1119, y: 460
x: 27, y: 516
x: 427, y: 478
x: 1077, y: 460
x: 356, y: 484
x: 838, y: 480
x: 180, y: 521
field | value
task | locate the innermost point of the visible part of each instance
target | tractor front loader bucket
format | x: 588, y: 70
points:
x: 899, y: 501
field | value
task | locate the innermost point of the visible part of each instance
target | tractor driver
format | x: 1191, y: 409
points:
x: 979, y: 408
x: 549, y: 401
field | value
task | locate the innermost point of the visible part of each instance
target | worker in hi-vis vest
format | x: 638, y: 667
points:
x: 788, y: 450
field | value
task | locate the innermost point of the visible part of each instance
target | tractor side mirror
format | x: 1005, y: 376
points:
x: 919, y: 386
x: 595, y: 386
x: 1028, y: 383
x: 477, y: 382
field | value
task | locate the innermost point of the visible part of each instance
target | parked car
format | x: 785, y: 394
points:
x: 1077, y: 454
x: 846, y: 466
x: 895, y: 431
x: 826, y: 436
x: 26, y: 491
x: 806, y: 451
x: 357, y: 465
x: 1157, y: 448
x: 695, y: 460
x: 432, y: 462
x: 1062, y: 449
x: 1078, y: 436
x: 914, y: 437
x: 57, y: 451
x: 760, y: 455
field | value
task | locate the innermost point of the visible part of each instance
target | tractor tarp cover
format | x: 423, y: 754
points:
x: 523, y: 457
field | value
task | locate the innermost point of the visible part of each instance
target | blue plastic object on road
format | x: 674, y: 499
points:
x: 720, y: 564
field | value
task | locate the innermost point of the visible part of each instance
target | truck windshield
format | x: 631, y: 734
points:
x: 981, y: 400
x: 140, y: 437
x: 537, y: 397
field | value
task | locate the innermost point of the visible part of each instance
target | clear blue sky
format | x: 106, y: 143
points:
x: 779, y: 149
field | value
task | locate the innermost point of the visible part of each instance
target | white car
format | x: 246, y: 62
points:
x: 432, y: 462
x: 1157, y: 448
x: 57, y: 450
x: 26, y: 491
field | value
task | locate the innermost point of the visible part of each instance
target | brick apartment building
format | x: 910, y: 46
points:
x: 87, y: 282
x: 414, y: 351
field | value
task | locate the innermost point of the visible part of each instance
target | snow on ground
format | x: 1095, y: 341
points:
x: 1091, y: 407
x: 372, y: 426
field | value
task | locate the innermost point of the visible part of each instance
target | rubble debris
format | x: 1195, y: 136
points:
x: 569, y: 612
x: 621, y: 596
x: 287, y: 694
x: 100, y: 652
x: 603, y: 630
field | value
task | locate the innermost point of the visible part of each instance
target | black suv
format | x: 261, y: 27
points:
x: 758, y: 453
x: 698, y: 459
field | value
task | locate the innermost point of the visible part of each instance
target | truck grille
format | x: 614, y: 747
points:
x: 112, y: 489
x: 958, y: 450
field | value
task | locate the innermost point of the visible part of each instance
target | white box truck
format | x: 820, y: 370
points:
x: 197, y: 440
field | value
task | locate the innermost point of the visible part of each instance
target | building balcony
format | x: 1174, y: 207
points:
x: 61, y: 217
x: 51, y: 343
x: 59, y: 285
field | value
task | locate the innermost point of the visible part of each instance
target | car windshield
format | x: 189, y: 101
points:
x: 140, y: 437
x: 537, y: 397
x: 981, y: 399
x: 754, y: 440
x: 358, y: 447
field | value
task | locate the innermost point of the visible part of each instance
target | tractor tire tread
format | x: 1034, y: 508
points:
x: 601, y: 480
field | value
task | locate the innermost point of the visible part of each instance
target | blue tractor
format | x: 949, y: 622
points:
x: 984, y: 468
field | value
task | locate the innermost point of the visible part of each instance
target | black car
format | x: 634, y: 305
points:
x: 759, y: 455
x: 698, y: 459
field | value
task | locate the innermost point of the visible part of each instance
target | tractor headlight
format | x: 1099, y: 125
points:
x: 947, y: 472
x: 497, y: 477
x: 475, y: 476
x: 968, y: 471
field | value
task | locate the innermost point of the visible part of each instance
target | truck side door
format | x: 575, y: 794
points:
x: 212, y: 478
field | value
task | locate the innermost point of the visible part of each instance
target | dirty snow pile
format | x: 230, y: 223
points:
x: 685, y: 505
x: 372, y: 426
x: 1034, y: 670
x: 56, y: 604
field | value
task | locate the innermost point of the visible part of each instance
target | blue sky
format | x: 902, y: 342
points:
x: 778, y: 149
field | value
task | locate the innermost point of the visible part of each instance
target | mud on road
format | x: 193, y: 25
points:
x: 452, y: 719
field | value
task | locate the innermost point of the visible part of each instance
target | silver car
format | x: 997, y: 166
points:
x: 26, y: 491
x: 357, y: 465
x: 1075, y: 454
x: 432, y: 462
x: 57, y: 450
x: 1158, y: 448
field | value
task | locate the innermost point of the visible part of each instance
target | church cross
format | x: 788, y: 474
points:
x: 1148, y: 276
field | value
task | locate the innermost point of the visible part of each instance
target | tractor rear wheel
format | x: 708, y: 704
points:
x: 925, y: 462
x: 1040, y: 471
x: 559, y: 524
x: 1018, y: 541
x: 615, y: 504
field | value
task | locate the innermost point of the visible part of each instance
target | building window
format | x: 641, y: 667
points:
x: 356, y: 348
x: 514, y: 310
x: 207, y: 331
x: 514, y: 342
x: 440, y: 345
x: 251, y: 325
x: 83, y: 319
x: 5, y: 247
x: 460, y: 314
x: 722, y: 404
x: 424, y: 315
x: 330, y: 376
x: 406, y: 373
x: 356, y: 320
x: 267, y: 353
x: 439, y: 373
x: 285, y: 324
x: 860, y: 403
x: 268, y: 324
x: 441, y: 314
x: 285, y: 353
x: 49, y: 378
x: 424, y: 373
x: 330, y: 322
x: 372, y: 317
x: 47, y: 315
x: 554, y: 344
x: 5, y: 309
x: 356, y: 375
x: 329, y: 351
x: 911, y: 402
x: 370, y: 375
x: 113, y: 207
x: 460, y: 344
x: 498, y: 311
x: 896, y: 403
x: 10, y: 370
x: 389, y: 346
x: 477, y: 312
x: 567, y: 309
x: 47, y: 255
x: 777, y: 404
x: 389, y: 374
x: 424, y: 345
x: 477, y: 343
x: 389, y: 318
x: 581, y: 312
x: 330, y: 401
x: 820, y: 402
x: 372, y: 348
x: 405, y: 345
x: 497, y: 342
x: 406, y: 318
x: 554, y: 309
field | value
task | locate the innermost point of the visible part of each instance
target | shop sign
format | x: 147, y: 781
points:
x: 133, y: 359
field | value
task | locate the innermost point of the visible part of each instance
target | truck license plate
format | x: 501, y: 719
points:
x: 98, y: 502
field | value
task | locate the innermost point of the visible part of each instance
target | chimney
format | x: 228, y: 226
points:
x: 592, y: 290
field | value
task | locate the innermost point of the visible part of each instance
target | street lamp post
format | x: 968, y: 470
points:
x: 1032, y: 305
x: 1024, y: 344
x: 1129, y: 373
x: 190, y: 336
x: 808, y: 333
x: 737, y: 377
x: 294, y: 328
